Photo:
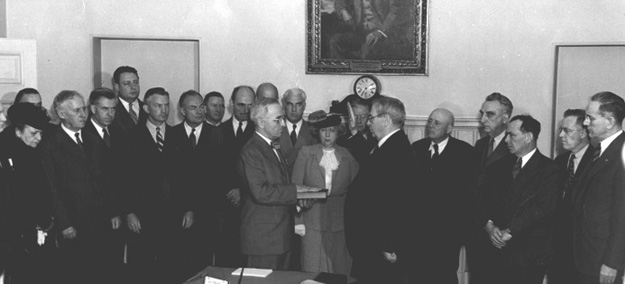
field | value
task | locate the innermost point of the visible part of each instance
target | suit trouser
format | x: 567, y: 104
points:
x: 441, y: 261
x: 371, y: 267
x: 477, y: 256
x: 505, y: 271
x: 594, y: 279
x: 204, y: 240
x: 228, y: 253
x: 81, y: 258
x: 160, y: 252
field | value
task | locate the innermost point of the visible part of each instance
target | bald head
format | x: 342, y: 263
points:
x: 266, y: 90
x: 439, y: 125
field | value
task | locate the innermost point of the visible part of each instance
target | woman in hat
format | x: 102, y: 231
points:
x: 324, y: 165
x: 25, y: 213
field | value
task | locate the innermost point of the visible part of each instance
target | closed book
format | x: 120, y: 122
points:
x: 321, y: 194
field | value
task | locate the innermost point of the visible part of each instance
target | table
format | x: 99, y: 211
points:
x: 276, y: 277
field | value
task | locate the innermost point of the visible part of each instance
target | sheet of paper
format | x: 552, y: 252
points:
x: 254, y: 272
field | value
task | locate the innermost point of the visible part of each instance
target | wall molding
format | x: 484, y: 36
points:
x: 465, y: 128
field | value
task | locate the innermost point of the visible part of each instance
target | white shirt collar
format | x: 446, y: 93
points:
x: 606, y: 142
x: 152, y: 129
x: 135, y: 105
x: 527, y: 157
x: 441, y: 146
x: 264, y: 138
x: 71, y: 133
x: 198, y: 130
x: 578, y: 156
x: 498, y: 139
x: 98, y: 128
x: 289, y: 126
x: 235, y: 124
x: 381, y: 142
x: 214, y: 124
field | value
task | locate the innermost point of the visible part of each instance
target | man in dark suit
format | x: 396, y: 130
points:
x: 215, y: 108
x: 599, y: 198
x: 358, y: 140
x: 518, y: 216
x: 269, y: 198
x: 129, y: 110
x: 198, y: 160
x: 235, y: 132
x: 444, y: 170
x: 72, y: 160
x: 102, y: 103
x: 159, y: 210
x: 377, y: 223
x: 495, y: 113
x: 296, y: 132
x: 578, y: 156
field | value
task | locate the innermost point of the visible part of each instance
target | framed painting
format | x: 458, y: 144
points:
x: 366, y: 36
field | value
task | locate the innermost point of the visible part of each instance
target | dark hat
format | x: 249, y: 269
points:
x: 321, y: 119
x: 29, y: 114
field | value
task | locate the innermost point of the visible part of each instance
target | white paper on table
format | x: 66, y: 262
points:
x: 254, y: 272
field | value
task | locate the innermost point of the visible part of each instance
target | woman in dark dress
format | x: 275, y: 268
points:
x: 25, y: 215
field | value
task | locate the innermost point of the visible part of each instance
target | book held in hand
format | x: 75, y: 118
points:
x: 321, y: 194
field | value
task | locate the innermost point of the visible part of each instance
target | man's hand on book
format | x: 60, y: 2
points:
x: 305, y: 188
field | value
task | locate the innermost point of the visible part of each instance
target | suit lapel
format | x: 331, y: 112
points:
x: 585, y: 162
x: 527, y: 174
x: 498, y: 153
x: 318, y: 155
x: 581, y: 188
x: 608, y: 155
x: 70, y: 144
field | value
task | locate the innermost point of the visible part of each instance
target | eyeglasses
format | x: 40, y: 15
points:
x: 278, y: 120
x: 372, y: 117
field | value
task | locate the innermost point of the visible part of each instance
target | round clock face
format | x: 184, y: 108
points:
x: 366, y: 87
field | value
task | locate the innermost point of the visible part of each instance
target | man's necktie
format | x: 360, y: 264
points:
x: 517, y: 168
x: 78, y: 141
x: 160, y: 143
x: 374, y: 149
x: 596, y: 153
x: 276, y: 148
x: 570, y: 180
x: 294, y: 135
x: 107, y: 138
x: 193, y: 139
x: 491, y: 146
x: 240, y: 129
x: 435, y: 154
x: 132, y: 113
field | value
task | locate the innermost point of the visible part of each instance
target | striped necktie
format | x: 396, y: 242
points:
x: 132, y: 113
x: 159, y: 140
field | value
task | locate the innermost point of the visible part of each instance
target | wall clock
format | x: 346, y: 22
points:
x: 367, y: 86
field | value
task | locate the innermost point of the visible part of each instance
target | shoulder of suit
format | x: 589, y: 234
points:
x: 563, y: 156
x: 422, y: 143
x: 463, y: 145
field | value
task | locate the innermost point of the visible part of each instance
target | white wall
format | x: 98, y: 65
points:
x: 475, y: 47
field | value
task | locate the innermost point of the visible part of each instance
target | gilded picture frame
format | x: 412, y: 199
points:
x: 366, y: 36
